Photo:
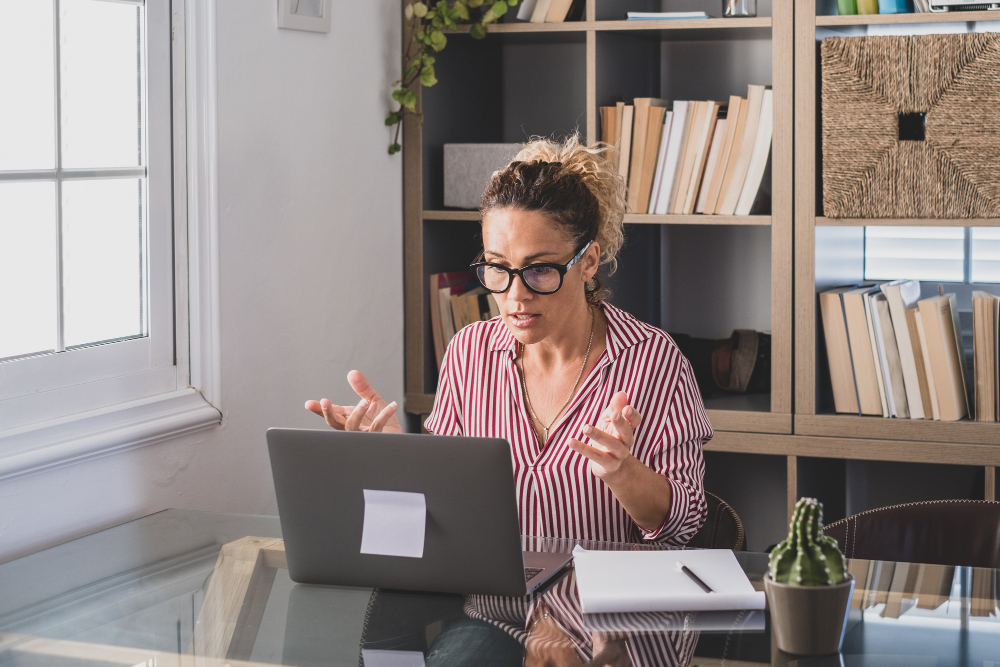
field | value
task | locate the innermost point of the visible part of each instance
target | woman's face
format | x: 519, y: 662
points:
x: 517, y: 238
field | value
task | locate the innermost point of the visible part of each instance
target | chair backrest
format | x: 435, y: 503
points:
x: 723, y: 528
x: 947, y: 532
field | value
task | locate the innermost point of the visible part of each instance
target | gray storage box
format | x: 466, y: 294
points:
x: 468, y: 169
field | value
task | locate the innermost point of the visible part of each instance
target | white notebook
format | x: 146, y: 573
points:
x: 620, y: 581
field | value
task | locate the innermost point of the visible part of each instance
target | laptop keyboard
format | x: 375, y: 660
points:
x: 530, y: 572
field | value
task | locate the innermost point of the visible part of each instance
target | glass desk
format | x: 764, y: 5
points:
x: 207, y: 589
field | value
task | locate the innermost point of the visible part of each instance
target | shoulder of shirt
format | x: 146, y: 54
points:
x: 475, y: 336
x: 646, y: 334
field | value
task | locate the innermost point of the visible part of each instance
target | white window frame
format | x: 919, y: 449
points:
x: 184, y: 395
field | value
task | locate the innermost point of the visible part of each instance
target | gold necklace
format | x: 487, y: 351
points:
x: 524, y: 384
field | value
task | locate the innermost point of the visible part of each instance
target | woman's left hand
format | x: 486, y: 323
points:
x: 613, y: 436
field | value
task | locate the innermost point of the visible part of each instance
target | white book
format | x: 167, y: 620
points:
x: 704, y: 137
x: 870, y: 317
x: 660, y: 160
x: 903, y: 294
x: 925, y: 353
x: 677, y: 125
x: 525, y: 10
x: 665, y: 15
x: 713, y: 160
x: 541, y: 10
x: 620, y: 581
x: 758, y: 159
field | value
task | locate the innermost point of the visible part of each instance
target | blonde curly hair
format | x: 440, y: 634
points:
x: 575, y: 185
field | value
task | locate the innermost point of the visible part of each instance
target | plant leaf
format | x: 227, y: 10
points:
x: 427, y: 77
x: 394, y: 148
x: 409, y: 100
x: 477, y: 31
x: 408, y: 12
x: 438, y: 40
x: 419, y: 10
x: 499, y: 8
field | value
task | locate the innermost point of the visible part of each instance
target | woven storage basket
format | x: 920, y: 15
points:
x: 874, y: 89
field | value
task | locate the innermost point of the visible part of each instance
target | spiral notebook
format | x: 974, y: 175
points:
x: 623, y: 581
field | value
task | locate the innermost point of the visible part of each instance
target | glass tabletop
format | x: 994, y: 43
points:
x: 199, y: 588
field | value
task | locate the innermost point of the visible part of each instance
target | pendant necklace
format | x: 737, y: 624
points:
x: 524, y: 384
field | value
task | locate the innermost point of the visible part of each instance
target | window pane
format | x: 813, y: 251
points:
x: 103, y: 260
x: 986, y: 255
x: 27, y: 268
x: 27, y: 87
x: 924, y: 253
x: 100, y: 84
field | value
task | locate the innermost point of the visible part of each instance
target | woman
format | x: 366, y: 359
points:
x: 604, y: 418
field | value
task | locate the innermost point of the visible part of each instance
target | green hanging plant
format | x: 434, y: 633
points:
x: 428, y: 22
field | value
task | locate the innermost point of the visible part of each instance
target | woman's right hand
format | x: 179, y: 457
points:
x: 372, y: 413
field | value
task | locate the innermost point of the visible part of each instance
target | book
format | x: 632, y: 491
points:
x: 933, y: 587
x: 734, y: 150
x: 700, y: 157
x: 526, y: 9
x: 558, y: 10
x: 985, y: 307
x: 710, y: 164
x: 732, y: 114
x: 640, y: 124
x: 678, y: 132
x: 755, y: 100
x: 862, y: 359
x: 625, y: 142
x: 442, y: 286
x: 901, y: 597
x: 888, y: 348
x: 876, y: 356
x: 903, y: 294
x: 656, y: 16
x: 928, y: 369
x: 619, y: 581
x: 944, y: 346
x: 610, y: 132
x: 758, y: 156
x: 838, y: 351
x: 541, y: 11
x: 923, y: 384
x: 654, y: 131
x: 660, y: 161
x: 695, y: 137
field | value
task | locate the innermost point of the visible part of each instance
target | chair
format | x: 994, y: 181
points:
x: 946, y: 532
x: 723, y: 528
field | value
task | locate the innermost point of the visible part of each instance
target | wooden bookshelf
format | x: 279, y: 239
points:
x: 577, y: 67
x: 818, y: 431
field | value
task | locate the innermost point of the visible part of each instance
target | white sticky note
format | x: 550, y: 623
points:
x: 378, y: 658
x: 394, y: 523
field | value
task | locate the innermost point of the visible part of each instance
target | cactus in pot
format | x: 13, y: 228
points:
x: 808, y: 587
x: 807, y: 557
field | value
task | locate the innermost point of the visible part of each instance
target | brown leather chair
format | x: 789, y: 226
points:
x: 723, y: 528
x: 947, y: 532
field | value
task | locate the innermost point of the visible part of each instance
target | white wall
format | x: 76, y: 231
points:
x: 311, y: 271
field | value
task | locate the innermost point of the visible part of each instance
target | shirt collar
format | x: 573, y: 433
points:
x: 624, y: 331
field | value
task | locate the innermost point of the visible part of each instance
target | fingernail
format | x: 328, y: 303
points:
x: 618, y: 418
x: 627, y: 410
x: 364, y: 403
x: 588, y: 429
x: 392, y: 405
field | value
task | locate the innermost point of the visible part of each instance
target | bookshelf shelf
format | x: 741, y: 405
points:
x: 632, y: 218
x: 931, y: 17
x: 627, y: 26
x: 964, y: 431
x: 909, y: 222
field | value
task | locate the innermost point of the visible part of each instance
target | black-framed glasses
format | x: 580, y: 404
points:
x: 540, y: 278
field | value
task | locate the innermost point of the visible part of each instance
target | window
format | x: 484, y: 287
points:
x: 93, y: 150
x: 938, y: 254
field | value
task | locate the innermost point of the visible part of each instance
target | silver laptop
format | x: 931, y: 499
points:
x: 350, y: 506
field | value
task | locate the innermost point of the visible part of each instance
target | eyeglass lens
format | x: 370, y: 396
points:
x: 541, y: 278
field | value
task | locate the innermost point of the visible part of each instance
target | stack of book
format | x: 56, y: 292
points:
x: 456, y: 299
x: 548, y: 11
x: 893, y: 354
x: 693, y: 157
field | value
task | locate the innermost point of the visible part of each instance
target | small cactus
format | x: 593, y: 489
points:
x: 807, y: 557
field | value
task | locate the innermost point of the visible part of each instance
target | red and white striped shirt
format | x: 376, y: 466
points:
x: 479, y: 395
